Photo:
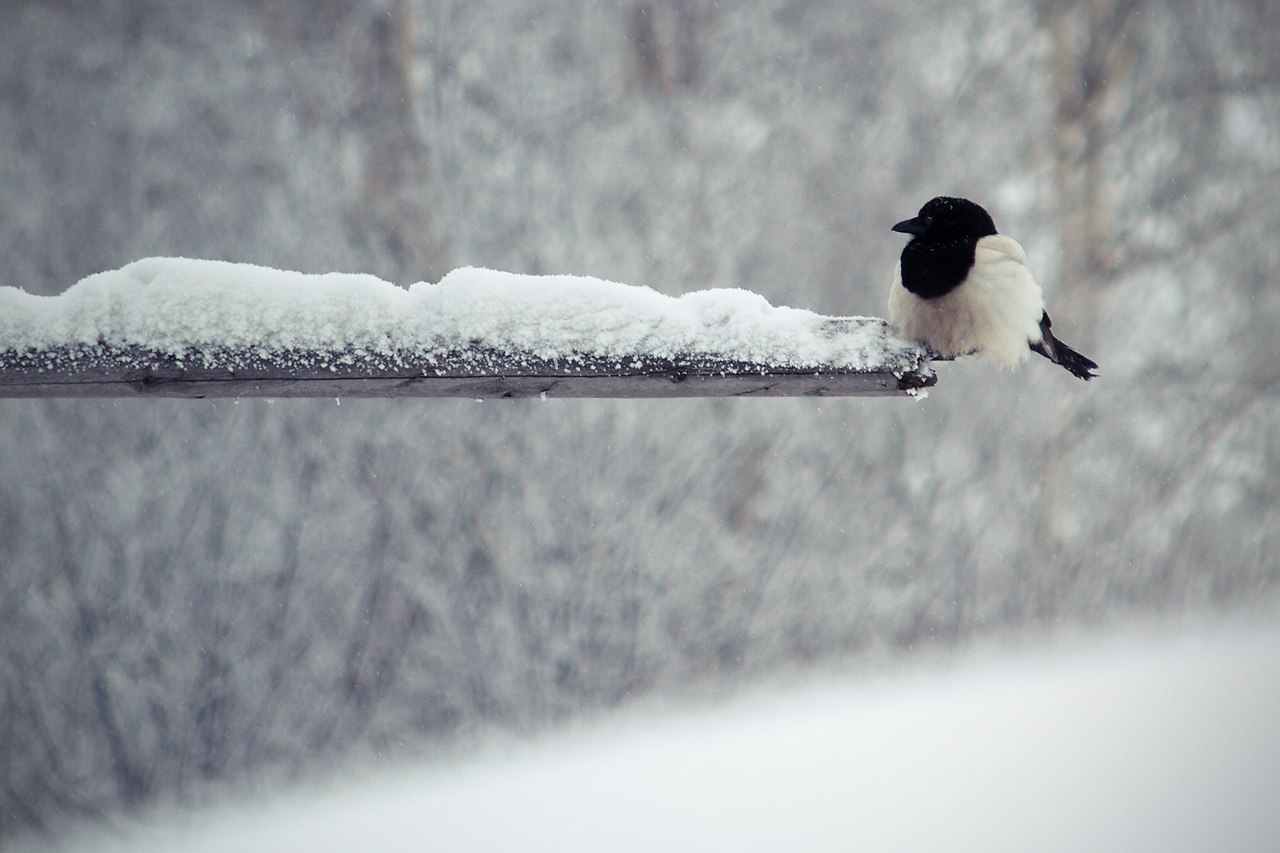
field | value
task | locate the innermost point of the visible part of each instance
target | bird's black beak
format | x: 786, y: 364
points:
x: 911, y: 226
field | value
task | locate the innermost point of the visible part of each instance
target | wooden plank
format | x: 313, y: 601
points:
x: 177, y: 327
x: 107, y: 371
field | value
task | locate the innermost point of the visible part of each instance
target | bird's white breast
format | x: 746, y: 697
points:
x: 995, y: 312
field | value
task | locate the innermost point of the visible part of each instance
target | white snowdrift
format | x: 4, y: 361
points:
x: 176, y: 305
x: 1165, y: 744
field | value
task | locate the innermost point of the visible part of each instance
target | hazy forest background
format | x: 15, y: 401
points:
x: 192, y: 592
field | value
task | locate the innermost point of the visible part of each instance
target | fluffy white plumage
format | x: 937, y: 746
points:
x: 995, y: 313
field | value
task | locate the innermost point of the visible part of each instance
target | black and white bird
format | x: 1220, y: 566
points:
x: 962, y: 288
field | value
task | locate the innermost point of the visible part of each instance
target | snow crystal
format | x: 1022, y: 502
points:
x: 177, y: 306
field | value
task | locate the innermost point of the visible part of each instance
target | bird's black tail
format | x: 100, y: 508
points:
x: 1059, y: 353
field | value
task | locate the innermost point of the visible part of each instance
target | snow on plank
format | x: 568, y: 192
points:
x: 191, y: 328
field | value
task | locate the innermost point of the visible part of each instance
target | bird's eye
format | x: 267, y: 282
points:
x: 928, y: 220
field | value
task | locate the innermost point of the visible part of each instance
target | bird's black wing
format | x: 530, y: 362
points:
x: 1059, y: 353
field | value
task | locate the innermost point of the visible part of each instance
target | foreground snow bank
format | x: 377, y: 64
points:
x: 176, y: 305
x: 1161, y: 744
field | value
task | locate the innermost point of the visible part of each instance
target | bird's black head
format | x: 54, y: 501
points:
x: 944, y: 218
x: 943, y: 237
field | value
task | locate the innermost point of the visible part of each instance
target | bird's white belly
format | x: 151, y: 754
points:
x: 994, y: 313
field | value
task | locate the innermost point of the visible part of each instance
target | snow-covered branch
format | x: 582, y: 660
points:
x: 190, y: 328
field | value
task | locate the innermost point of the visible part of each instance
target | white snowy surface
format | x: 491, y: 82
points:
x: 1159, y: 743
x: 176, y: 306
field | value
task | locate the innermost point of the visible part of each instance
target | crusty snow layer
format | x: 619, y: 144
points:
x: 177, y: 306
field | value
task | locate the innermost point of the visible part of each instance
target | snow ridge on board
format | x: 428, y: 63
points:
x: 178, y: 306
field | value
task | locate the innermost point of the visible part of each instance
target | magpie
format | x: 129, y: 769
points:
x: 962, y: 288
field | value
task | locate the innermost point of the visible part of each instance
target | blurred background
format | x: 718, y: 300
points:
x: 197, y: 592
